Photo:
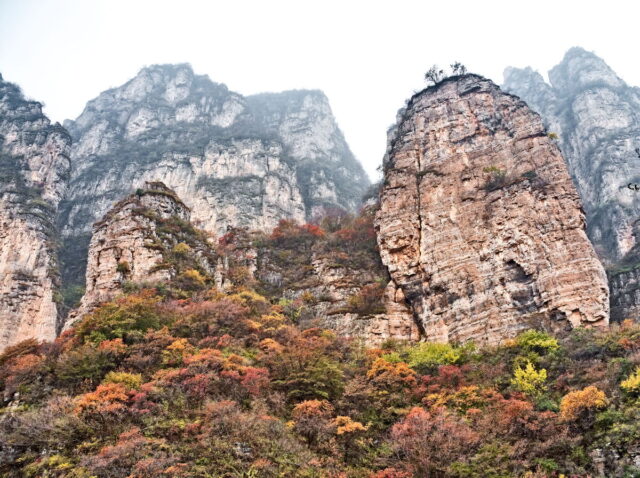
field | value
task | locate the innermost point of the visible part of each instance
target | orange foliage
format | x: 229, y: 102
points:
x: 581, y: 402
x: 107, y: 399
x: 390, y: 375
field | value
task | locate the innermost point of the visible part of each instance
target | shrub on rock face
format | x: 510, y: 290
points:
x: 181, y: 249
x: 368, y: 300
x: 191, y: 279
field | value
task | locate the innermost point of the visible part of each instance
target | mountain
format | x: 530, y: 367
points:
x: 34, y: 167
x: 479, y: 222
x: 234, y: 160
x: 596, y: 117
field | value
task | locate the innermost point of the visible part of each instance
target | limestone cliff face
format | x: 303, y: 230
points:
x: 141, y: 240
x: 34, y: 165
x: 597, y: 119
x: 234, y: 160
x: 480, y: 224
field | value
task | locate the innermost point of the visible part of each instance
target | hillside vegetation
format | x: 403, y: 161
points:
x: 182, y: 380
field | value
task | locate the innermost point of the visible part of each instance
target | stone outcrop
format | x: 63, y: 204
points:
x: 596, y: 117
x: 480, y: 225
x: 34, y: 165
x: 330, y: 296
x: 319, y: 283
x: 142, y: 240
x: 234, y: 160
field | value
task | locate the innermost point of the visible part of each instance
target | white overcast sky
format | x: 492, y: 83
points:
x: 367, y: 56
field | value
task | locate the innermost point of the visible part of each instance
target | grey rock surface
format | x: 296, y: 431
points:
x: 596, y: 116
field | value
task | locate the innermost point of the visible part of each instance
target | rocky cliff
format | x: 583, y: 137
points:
x: 34, y: 165
x: 234, y: 160
x: 330, y: 277
x: 146, y: 238
x: 480, y: 224
x: 596, y: 117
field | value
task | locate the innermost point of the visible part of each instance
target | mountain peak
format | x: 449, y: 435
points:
x: 580, y: 69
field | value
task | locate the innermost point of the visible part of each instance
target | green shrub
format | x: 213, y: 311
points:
x: 127, y: 318
x: 427, y: 356
x: 537, y: 341
x: 123, y: 267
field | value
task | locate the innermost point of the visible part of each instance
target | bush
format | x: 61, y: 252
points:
x: 582, y: 403
x: 536, y: 341
x: 530, y: 381
x: 123, y: 267
x: 181, y: 249
x: 191, y: 279
x: 427, y: 356
x: 368, y: 300
x: 127, y: 318
x: 632, y: 384
x: 432, y: 441
x: 131, y: 381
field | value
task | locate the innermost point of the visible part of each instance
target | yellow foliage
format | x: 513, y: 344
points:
x: 252, y: 300
x: 576, y: 402
x: 632, y: 383
x: 193, y: 276
x: 131, y: 381
x: 176, y: 351
x: 181, y: 249
x: 345, y: 425
x: 529, y: 380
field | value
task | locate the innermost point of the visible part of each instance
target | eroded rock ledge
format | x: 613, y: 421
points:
x: 480, y: 225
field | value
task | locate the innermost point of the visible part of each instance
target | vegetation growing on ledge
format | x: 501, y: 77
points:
x: 291, y: 255
x: 224, y: 384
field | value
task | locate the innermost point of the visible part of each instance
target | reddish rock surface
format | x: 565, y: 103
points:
x: 480, y: 225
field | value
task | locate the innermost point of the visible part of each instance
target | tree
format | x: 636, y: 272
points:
x: 529, y: 380
x: 581, y: 404
x: 434, y: 75
x: 431, y: 441
x: 458, y: 68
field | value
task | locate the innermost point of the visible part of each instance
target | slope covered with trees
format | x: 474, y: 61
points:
x: 184, y: 380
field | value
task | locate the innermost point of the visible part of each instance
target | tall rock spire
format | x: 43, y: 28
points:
x: 480, y: 224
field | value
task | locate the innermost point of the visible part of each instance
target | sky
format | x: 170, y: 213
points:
x: 367, y: 56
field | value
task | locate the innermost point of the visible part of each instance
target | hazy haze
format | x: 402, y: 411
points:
x: 368, y: 57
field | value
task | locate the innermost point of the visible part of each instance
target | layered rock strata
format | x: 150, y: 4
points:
x: 34, y: 165
x: 480, y: 225
x: 596, y: 117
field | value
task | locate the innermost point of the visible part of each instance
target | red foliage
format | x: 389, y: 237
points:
x: 290, y: 230
x: 433, y: 440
